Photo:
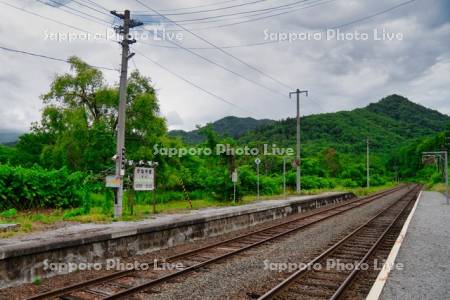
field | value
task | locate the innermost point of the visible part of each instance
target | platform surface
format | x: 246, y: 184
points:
x: 83, y: 233
x: 424, y: 253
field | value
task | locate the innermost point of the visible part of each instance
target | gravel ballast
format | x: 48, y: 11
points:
x: 234, y: 278
x: 245, y: 277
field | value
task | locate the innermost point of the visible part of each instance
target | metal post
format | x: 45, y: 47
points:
x: 439, y: 154
x: 234, y: 192
x: 368, y: 165
x: 154, y: 189
x: 298, y: 161
x: 446, y: 176
x: 284, y: 176
x: 120, y: 171
x: 257, y: 178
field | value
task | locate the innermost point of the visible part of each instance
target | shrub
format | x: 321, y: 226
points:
x: 23, y: 188
x: 10, y: 213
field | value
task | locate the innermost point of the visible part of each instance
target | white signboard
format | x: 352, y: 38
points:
x: 234, y: 176
x: 257, y: 161
x: 113, y: 181
x: 144, y: 179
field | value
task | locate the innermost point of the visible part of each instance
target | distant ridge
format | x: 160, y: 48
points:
x: 388, y: 123
x: 234, y: 127
x: 9, y: 137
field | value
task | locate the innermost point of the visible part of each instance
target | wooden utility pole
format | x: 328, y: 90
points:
x: 126, y: 55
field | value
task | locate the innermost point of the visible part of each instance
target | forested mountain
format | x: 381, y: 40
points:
x: 9, y: 136
x: 401, y: 109
x: 229, y: 126
x: 387, y: 123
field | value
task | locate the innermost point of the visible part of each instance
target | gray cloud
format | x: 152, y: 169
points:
x: 338, y: 74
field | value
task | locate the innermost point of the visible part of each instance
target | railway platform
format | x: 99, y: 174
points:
x: 422, y: 255
x: 22, y: 258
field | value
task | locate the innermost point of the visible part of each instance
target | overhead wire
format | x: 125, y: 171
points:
x: 236, y: 13
x: 49, y: 57
x: 340, y: 26
x: 221, y: 66
x: 177, y: 75
x: 65, y: 8
x: 95, y: 4
x: 213, y: 9
x: 218, y: 48
x: 192, y: 83
x: 199, y: 6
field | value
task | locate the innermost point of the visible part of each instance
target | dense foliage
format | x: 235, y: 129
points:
x: 229, y: 126
x: 77, y: 134
x: 25, y: 188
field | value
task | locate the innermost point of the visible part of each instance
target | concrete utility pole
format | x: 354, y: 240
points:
x: 126, y: 55
x: 368, y: 164
x: 298, y: 92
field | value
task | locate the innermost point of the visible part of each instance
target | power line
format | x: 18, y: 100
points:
x: 192, y: 83
x: 362, y: 19
x: 49, y: 57
x: 227, y: 18
x: 265, y: 10
x: 375, y: 14
x: 43, y: 17
x: 105, y: 68
x: 198, y: 6
x: 83, y: 15
x: 92, y: 8
x: 96, y: 4
x: 224, y: 68
x: 218, y: 48
x: 213, y: 9
x: 263, y: 17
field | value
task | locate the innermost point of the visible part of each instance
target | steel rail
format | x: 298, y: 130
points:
x: 298, y: 274
x: 151, y: 283
x: 104, y: 279
x: 363, y: 201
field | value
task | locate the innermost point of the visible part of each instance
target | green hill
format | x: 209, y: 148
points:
x: 234, y: 127
x: 9, y: 137
x: 388, y: 123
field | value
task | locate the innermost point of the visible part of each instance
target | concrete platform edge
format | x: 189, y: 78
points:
x: 377, y: 288
x: 15, y: 251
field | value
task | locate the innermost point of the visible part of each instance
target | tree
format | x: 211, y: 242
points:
x: 330, y: 161
x: 79, y: 121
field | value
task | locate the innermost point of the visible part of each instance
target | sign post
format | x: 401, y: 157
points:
x: 284, y: 176
x: 144, y: 179
x: 234, y: 178
x: 257, y: 162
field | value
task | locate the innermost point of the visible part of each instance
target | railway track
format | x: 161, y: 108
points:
x: 329, y: 275
x: 125, y: 284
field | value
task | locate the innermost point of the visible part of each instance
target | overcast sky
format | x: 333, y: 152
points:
x: 340, y: 72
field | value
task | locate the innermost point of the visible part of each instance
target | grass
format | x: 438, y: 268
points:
x: 438, y: 187
x: 46, y: 219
